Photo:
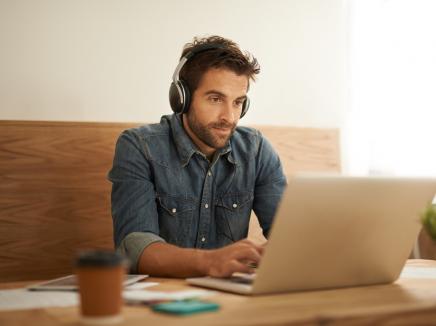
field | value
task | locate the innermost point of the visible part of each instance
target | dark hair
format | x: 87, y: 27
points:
x: 228, y: 56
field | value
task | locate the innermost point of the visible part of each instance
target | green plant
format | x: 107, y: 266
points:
x: 428, y: 219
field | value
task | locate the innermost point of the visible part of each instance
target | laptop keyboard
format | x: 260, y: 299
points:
x: 241, y: 280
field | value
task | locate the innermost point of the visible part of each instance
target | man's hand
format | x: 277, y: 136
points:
x: 236, y: 257
x: 166, y: 260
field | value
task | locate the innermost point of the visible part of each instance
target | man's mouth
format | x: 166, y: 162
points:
x: 222, y: 131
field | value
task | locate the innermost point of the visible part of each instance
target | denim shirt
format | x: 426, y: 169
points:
x: 165, y: 189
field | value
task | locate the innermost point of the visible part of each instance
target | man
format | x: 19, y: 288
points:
x: 183, y: 189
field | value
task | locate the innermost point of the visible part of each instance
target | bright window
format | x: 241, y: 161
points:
x: 391, y: 128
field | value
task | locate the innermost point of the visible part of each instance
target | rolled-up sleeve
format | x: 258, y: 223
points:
x: 133, y: 198
x: 269, y: 186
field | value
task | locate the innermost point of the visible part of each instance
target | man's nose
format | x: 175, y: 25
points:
x: 228, y: 112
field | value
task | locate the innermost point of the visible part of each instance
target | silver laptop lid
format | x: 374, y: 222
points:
x: 337, y: 231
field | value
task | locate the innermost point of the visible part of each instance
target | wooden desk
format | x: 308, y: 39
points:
x: 406, y: 302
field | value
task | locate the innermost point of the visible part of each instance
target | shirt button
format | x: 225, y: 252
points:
x: 235, y: 205
x: 203, y: 239
x: 209, y: 173
x: 174, y: 210
x: 206, y: 206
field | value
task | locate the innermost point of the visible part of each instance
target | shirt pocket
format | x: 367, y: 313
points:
x: 232, y: 216
x: 175, y: 218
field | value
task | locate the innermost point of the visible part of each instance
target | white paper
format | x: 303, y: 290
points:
x: 18, y: 299
x: 140, y: 286
x: 148, y: 296
x: 418, y: 272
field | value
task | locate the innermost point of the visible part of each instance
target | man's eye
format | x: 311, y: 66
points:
x: 215, y: 99
x: 239, y: 103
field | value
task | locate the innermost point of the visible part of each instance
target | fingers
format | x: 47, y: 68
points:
x: 240, y: 257
x: 234, y: 266
x: 239, y: 267
x: 229, y: 267
x: 259, y: 248
x: 247, y: 254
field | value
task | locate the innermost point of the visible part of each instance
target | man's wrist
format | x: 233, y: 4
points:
x: 203, y: 259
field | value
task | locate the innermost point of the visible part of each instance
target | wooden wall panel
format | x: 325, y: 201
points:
x: 55, y: 198
x: 305, y: 149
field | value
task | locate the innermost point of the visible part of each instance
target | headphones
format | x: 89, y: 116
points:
x: 179, y: 94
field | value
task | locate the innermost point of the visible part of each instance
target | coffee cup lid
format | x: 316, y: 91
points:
x: 100, y: 258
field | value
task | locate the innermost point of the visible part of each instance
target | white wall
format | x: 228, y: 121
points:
x: 112, y: 60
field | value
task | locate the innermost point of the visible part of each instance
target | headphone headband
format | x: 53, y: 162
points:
x: 190, y: 54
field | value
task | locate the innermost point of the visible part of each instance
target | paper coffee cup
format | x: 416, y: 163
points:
x: 100, y: 276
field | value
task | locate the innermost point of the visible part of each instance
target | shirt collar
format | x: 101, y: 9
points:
x: 186, y: 148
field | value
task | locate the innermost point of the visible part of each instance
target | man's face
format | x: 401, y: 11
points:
x: 215, y: 109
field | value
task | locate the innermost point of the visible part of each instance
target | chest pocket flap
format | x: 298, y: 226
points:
x: 175, y: 205
x: 236, y: 201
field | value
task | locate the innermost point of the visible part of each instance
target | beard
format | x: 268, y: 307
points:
x: 208, y: 133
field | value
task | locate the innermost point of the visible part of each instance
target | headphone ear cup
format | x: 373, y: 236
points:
x: 187, y: 96
x: 245, y: 107
x: 176, y: 97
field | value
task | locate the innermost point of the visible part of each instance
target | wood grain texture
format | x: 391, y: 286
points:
x: 405, y: 302
x: 55, y: 198
x: 305, y: 149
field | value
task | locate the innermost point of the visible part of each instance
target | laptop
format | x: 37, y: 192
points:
x: 336, y: 231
